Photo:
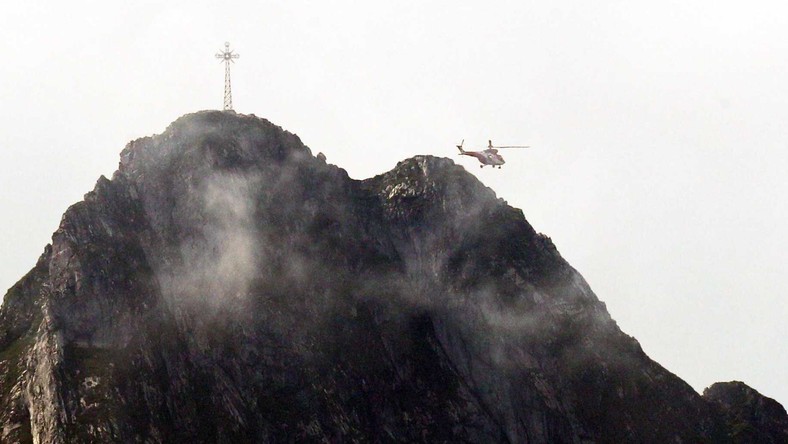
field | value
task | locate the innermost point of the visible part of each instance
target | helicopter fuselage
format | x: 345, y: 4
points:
x: 486, y: 157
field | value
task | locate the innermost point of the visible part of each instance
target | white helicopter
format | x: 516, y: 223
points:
x: 488, y: 156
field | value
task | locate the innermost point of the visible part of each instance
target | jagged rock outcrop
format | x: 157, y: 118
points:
x: 228, y: 286
x: 750, y: 416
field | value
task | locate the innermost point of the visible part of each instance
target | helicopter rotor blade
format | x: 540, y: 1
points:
x: 514, y: 146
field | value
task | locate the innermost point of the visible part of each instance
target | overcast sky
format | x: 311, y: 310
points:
x: 659, y: 132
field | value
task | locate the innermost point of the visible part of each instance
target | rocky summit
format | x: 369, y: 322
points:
x: 227, y: 286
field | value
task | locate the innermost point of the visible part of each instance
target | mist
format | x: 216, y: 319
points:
x: 659, y: 145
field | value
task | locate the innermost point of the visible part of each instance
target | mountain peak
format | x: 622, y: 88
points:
x: 210, y: 141
x: 228, y: 286
x: 750, y: 416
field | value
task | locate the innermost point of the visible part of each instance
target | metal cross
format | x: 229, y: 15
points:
x: 227, y: 57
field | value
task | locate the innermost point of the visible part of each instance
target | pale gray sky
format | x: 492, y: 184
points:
x: 659, y: 132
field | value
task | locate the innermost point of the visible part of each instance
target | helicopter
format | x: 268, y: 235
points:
x: 488, y: 156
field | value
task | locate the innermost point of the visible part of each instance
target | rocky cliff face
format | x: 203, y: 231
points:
x: 228, y: 286
x: 750, y: 416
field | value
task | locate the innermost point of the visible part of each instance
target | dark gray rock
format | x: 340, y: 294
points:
x: 750, y: 416
x: 228, y: 286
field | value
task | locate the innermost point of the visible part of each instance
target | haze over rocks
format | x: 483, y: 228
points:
x: 228, y: 286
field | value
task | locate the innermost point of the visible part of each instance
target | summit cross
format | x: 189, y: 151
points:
x: 227, y: 57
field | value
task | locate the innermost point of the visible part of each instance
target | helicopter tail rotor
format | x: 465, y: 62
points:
x: 459, y: 147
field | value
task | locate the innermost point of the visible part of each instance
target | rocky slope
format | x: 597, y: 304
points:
x: 228, y: 286
x: 750, y: 417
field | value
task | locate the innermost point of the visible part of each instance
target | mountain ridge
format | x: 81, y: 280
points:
x: 227, y: 285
